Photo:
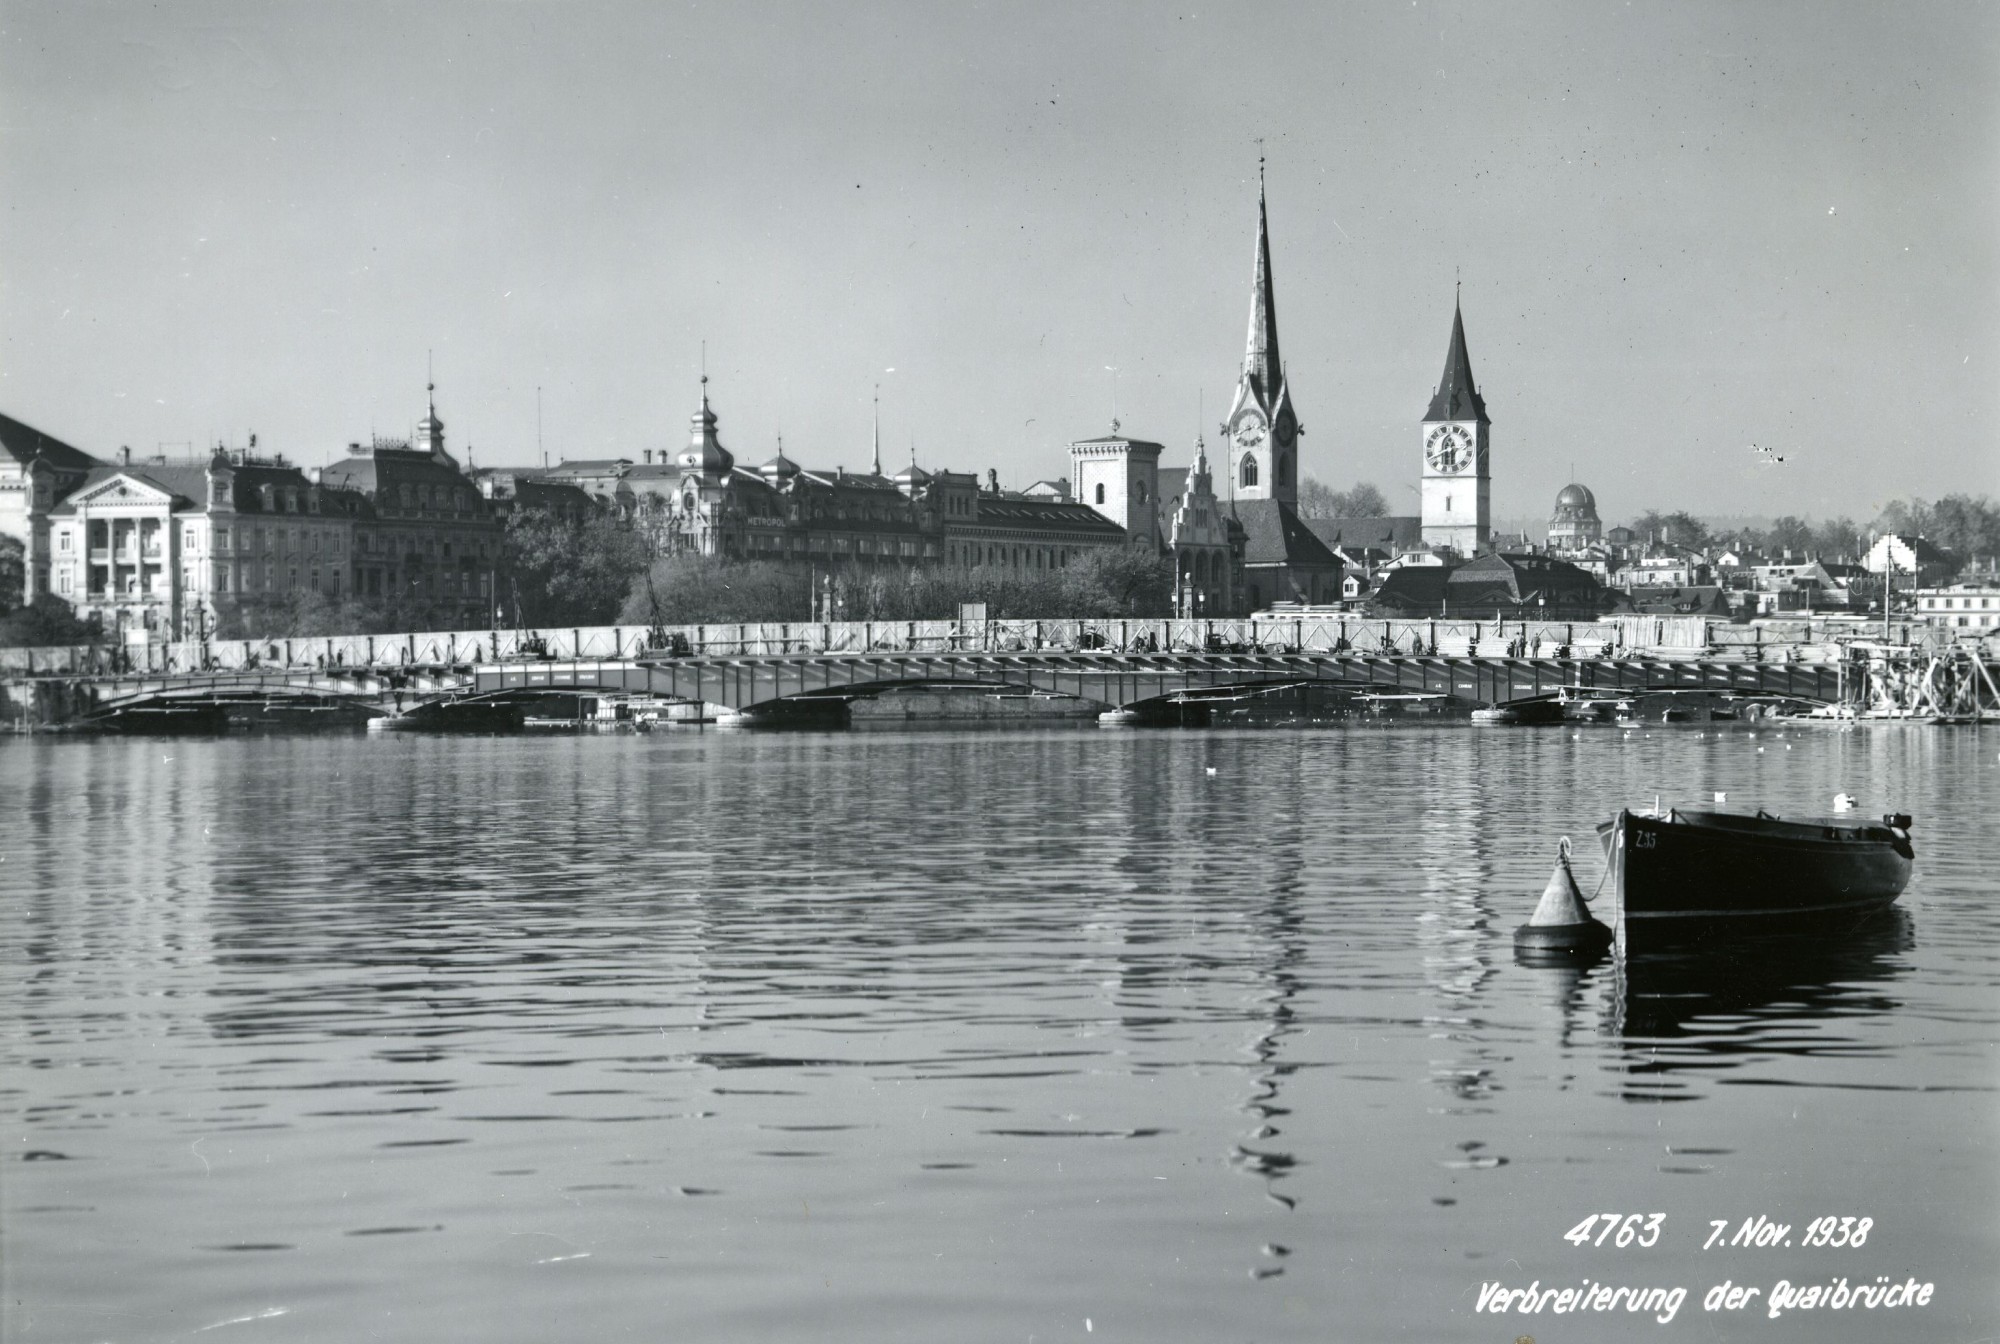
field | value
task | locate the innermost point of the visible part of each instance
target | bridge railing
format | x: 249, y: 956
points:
x: 1624, y: 636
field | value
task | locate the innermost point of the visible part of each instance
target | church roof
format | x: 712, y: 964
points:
x: 1275, y: 535
x: 1456, y: 398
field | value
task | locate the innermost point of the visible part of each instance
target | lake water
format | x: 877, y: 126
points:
x: 1059, y: 1034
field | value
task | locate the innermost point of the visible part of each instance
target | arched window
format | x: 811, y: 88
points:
x: 1100, y: 492
x: 1284, y: 468
x: 1248, y: 477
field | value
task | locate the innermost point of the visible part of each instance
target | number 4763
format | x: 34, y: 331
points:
x: 1623, y: 1229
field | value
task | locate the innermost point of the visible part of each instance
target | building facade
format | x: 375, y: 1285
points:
x: 35, y: 472
x: 1971, y: 608
x: 424, y: 536
x: 1120, y: 478
x: 162, y: 550
x: 1208, y: 554
x: 704, y: 503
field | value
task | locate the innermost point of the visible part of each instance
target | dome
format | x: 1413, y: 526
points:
x: 705, y: 452
x: 780, y: 466
x: 1575, y: 496
x: 912, y: 474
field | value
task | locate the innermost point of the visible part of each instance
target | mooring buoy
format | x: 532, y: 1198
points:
x: 1562, y: 921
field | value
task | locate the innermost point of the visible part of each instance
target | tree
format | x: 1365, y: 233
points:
x: 1789, y: 533
x: 1967, y: 527
x: 1673, y: 529
x: 1319, y: 500
x: 1837, y: 539
x: 568, y: 573
x: 704, y: 590
x: 48, y: 620
x: 13, y: 573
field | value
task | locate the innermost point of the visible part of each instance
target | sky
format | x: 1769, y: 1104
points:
x: 1690, y: 239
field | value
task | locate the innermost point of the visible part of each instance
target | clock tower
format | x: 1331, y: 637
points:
x: 1457, y: 489
x: 1261, y: 435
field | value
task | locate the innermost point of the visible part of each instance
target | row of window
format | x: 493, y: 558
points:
x: 258, y: 539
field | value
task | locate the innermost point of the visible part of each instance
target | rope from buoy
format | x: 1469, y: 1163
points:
x: 1563, y: 850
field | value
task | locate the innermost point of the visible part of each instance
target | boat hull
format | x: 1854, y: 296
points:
x: 1690, y: 867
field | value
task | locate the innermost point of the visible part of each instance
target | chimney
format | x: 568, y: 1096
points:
x: 992, y: 480
x: 649, y: 457
x: 124, y: 455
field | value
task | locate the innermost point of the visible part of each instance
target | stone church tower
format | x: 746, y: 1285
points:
x: 1261, y: 436
x: 1457, y: 481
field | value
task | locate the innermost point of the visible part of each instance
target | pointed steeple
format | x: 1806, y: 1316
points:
x: 1262, y: 365
x: 878, y: 429
x: 1456, y: 398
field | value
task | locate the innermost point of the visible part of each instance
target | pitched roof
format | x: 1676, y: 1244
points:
x: 1275, y: 535
x: 1456, y: 398
x: 1411, y: 588
x: 24, y: 443
x: 1039, y: 511
x: 1696, y: 600
x: 1396, y: 532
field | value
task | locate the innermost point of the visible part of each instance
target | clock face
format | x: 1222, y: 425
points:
x: 1448, y: 449
x: 1250, y: 430
x: 1286, y: 429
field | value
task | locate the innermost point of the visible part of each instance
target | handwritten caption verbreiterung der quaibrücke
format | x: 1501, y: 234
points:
x: 1836, y: 1294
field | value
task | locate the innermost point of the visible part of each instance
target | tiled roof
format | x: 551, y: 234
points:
x: 1275, y: 535
x: 1412, y: 588
x: 1038, y: 512
x: 1393, y: 533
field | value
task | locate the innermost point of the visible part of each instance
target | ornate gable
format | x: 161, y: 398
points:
x: 123, y: 492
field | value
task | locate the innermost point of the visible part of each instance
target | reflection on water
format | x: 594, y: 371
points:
x: 1718, y: 992
x: 930, y: 1035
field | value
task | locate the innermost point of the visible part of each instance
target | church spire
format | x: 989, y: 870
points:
x: 878, y: 429
x: 1261, y: 363
x: 1456, y: 397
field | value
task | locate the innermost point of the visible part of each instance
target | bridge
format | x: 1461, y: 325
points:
x: 768, y: 671
x: 1123, y: 679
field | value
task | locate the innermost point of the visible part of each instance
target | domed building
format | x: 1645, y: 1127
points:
x: 1575, y: 523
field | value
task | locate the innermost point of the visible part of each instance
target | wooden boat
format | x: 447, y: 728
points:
x: 1685, y: 867
x: 1546, y: 708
